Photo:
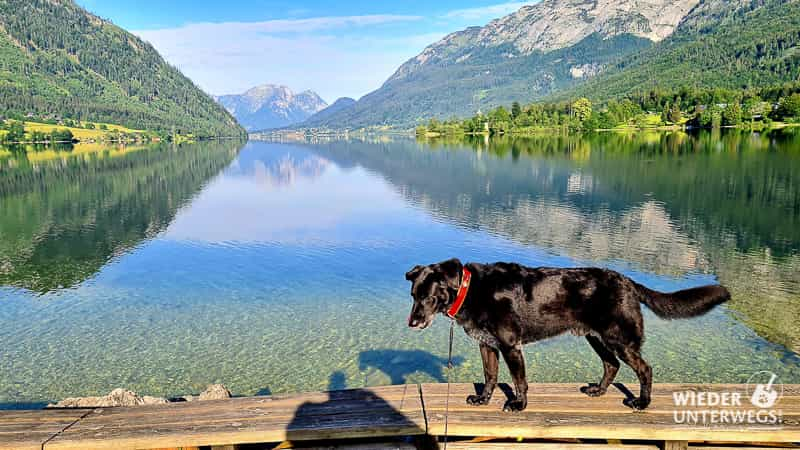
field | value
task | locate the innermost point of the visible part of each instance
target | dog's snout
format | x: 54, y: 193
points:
x: 414, y: 319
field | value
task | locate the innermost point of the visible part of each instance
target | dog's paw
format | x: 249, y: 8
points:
x: 593, y: 390
x: 515, y: 405
x: 478, y: 400
x: 637, y: 403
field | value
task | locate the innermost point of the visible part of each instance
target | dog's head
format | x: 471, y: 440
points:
x: 433, y: 289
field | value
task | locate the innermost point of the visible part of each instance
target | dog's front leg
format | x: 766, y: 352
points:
x: 490, y: 366
x: 516, y: 365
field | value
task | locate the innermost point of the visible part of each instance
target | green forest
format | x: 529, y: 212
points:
x: 57, y: 60
x: 732, y: 45
x: 691, y: 107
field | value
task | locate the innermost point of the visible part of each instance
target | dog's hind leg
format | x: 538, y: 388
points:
x: 633, y: 358
x: 490, y: 366
x: 610, y: 368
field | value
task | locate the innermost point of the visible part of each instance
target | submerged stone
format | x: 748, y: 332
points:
x: 117, y: 397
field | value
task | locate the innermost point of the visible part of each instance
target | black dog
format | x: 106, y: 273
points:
x: 508, y: 305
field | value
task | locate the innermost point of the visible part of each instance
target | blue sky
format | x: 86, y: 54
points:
x: 344, y: 48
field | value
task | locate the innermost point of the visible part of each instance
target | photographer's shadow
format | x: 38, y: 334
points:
x: 353, y: 413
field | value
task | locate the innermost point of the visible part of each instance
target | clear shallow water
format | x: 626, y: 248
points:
x: 271, y: 267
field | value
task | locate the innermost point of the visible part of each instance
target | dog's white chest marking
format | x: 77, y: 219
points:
x: 482, y: 336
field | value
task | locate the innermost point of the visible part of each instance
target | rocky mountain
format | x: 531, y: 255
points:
x: 322, y: 118
x: 552, y: 25
x: 601, y: 49
x: 57, y: 59
x: 543, y: 48
x: 271, y: 106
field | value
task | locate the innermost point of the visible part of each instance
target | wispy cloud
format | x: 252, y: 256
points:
x: 333, y: 55
x: 320, y: 53
x: 307, y: 25
x: 486, y: 12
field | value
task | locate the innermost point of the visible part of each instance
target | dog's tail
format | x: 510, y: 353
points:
x: 684, y: 304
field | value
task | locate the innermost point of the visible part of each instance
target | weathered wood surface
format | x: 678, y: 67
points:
x: 555, y: 411
x: 561, y: 410
x: 764, y: 447
x: 373, y: 412
x: 544, y: 446
x: 372, y: 446
x: 30, y: 429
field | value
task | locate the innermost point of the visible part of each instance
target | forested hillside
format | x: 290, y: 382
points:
x: 57, y: 59
x: 722, y: 44
x: 487, y: 79
x: 541, y: 49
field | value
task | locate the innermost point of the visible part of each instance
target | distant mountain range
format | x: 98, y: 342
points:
x: 598, y: 48
x: 57, y: 59
x: 271, y: 106
x: 321, y: 118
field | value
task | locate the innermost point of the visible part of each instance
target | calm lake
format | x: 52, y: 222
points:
x: 277, y: 267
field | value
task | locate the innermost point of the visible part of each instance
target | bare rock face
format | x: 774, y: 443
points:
x: 117, y: 397
x: 554, y: 24
x: 585, y: 70
x: 215, y: 392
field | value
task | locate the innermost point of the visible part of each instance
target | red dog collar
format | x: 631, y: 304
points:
x: 466, y: 276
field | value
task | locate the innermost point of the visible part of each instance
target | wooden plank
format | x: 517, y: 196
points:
x: 370, y: 446
x: 361, y: 413
x: 573, y: 389
x: 676, y: 445
x: 31, y: 429
x: 555, y: 411
x: 544, y: 446
x: 222, y: 409
x: 630, y: 426
x: 563, y: 412
x: 709, y: 447
x: 570, y: 399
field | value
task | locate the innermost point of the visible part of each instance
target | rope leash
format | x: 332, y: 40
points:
x: 461, y: 296
x: 449, y: 369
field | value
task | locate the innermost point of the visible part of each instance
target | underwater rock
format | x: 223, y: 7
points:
x: 124, y: 397
x: 117, y: 397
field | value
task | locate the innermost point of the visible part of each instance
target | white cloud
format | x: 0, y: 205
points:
x: 485, y: 13
x: 320, y: 53
x: 335, y: 56
x: 295, y: 25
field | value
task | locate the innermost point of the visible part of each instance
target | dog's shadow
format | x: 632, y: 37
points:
x: 399, y: 364
x: 629, y: 395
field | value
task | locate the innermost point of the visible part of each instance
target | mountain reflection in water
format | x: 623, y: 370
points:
x: 164, y: 268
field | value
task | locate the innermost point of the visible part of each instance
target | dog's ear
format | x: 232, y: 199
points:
x: 412, y: 274
x: 451, y: 269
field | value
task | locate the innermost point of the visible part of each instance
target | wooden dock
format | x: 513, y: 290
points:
x: 558, y: 417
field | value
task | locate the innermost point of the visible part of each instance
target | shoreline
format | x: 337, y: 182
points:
x: 117, y: 141
x: 295, y: 134
x: 565, y: 131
